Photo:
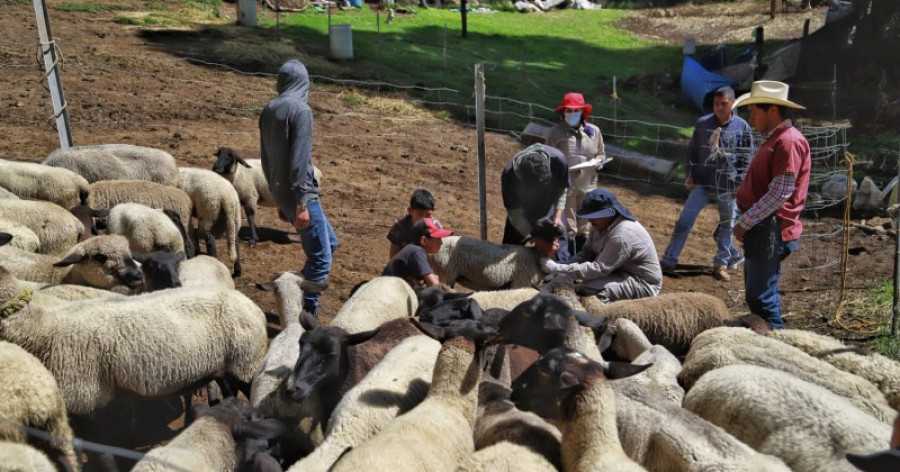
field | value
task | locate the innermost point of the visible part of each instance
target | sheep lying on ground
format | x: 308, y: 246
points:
x: 378, y: 301
x: 250, y: 183
x: 671, y: 320
x: 102, y: 262
x: 217, y: 208
x: 216, y: 441
x: 56, y: 228
x: 18, y: 457
x: 720, y: 347
x: 483, y: 265
x: 31, y: 398
x: 145, y: 228
x: 108, y: 193
x: 567, y: 387
x: 117, y: 162
x: 39, y: 182
x: 193, y: 336
x: 396, y: 385
x: 777, y: 413
x: 436, y: 434
x: 23, y: 237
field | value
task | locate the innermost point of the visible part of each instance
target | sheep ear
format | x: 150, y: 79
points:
x: 266, y: 286
x: 308, y: 321
x: 260, y: 429
x: 620, y: 370
x: 70, y: 259
x: 428, y: 329
x: 567, y: 380
x: 362, y: 337
x: 456, y: 295
x: 5, y: 238
x: 241, y: 161
x: 138, y: 257
x: 475, y: 310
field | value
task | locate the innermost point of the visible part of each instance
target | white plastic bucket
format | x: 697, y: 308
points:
x: 246, y: 12
x: 340, y: 42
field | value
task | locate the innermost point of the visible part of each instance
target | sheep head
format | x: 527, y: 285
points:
x: 549, y: 386
x: 324, y: 359
x: 540, y: 323
x: 103, y: 262
x: 227, y: 160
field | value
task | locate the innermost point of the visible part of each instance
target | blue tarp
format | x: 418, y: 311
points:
x: 697, y: 83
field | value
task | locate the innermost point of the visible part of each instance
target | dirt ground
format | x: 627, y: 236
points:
x: 126, y: 87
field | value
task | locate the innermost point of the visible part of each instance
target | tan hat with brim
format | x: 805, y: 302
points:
x: 767, y: 91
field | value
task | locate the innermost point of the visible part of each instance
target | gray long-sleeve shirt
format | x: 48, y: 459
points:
x: 625, y: 246
x: 286, y: 138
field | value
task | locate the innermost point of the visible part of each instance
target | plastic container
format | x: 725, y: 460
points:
x: 356, y: 3
x: 340, y: 42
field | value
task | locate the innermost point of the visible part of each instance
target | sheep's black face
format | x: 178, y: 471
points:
x: 539, y: 323
x: 129, y: 273
x: 161, y: 270
x: 543, y: 387
x: 319, y: 362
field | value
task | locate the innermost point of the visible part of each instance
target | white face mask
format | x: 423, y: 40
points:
x: 573, y: 118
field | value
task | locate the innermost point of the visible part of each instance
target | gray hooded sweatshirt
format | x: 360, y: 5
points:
x: 286, y: 137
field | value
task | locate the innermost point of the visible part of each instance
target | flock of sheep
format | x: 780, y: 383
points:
x: 524, y: 374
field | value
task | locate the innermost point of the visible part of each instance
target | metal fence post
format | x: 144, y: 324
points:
x: 479, y: 120
x: 54, y: 81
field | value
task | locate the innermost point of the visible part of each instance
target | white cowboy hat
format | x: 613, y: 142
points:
x: 767, y: 91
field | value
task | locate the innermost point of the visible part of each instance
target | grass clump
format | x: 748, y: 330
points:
x: 92, y: 7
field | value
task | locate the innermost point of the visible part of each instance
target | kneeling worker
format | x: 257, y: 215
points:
x: 411, y: 263
x: 619, y: 260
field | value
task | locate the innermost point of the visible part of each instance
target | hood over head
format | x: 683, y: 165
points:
x: 293, y: 78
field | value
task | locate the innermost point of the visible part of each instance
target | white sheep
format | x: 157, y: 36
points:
x: 116, y: 162
x: 483, y: 265
x: 193, y: 335
x: 18, y: 457
x: 147, y: 229
x: 40, y: 182
x: 719, y: 347
x: 217, y: 208
x: 217, y: 441
x: 7, y: 195
x: 204, y: 271
x: 776, y: 413
x: 102, y: 262
x: 31, y: 398
x: 397, y: 384
x: 884, y: 373
x: 23, y: 237
x: 249, y: 182
x: 56, y: 228
x: 503, y: 299
x: 506, y: 456
x: 436, y: 434
x: 106, y: 194
x: 378, y: 301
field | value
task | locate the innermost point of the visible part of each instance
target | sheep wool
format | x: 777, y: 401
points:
x: 110, y: 346
x: 105, y: 195
x: 147, y: 229
x: 116, y: 162
x: 397, y: 384
x: 31, y: 397
x: 506, y: 456
x: 56, y: 228
x: 504, y: 299
x: 378, y: 301
x: 483, y: 265
x: 203, y: 271
x: 41, y: 182
x: 776, y: 413
x: 217, y: 207
x: 18, y: 457
x: 23, y: 237
x: 724, y: 346
x: 437, y: 434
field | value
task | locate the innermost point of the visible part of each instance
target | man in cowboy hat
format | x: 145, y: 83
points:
x: 771, y: 196
x: 619, y: 260
x: 580, y: 142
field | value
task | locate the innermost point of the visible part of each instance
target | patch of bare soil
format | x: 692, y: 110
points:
x: 122, y: 88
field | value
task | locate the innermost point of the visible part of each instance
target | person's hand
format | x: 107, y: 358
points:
x: 548, y: 265
x: 739, y: 233
x: 689, y: 183
x: 302, y: 220
x: 281, y: 216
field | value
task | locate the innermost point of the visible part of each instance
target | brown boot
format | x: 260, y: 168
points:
x: 721, y: 273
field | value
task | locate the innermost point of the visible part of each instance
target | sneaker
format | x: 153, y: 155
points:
x: 736, y: 264
x: 721, y: 273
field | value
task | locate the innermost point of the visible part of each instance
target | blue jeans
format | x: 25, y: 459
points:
x: 726, y: 253
x: 319, y: 242
x: 761, y: 282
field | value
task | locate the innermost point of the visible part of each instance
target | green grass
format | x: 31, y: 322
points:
x: 531, y: 58
x: 874, y: 307
x: 93, y: 6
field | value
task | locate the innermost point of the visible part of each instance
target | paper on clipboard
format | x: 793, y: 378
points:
x: 593, y: 163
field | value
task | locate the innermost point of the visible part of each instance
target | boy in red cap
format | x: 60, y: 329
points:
x: 411, y: 263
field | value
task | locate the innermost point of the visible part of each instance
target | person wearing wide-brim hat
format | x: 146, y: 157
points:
x: 580, y: 142
x: 619, y: 260
x: 771, y: 196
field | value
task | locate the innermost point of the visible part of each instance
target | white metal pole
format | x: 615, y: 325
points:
x: 54, y: 81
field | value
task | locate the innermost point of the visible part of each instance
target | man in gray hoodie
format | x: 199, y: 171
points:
x: 286, y: 138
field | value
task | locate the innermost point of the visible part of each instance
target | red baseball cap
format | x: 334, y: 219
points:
x: 432, y: 228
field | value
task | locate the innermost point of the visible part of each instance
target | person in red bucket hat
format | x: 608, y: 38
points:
x: 580, y: 142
